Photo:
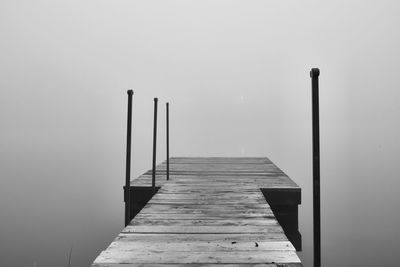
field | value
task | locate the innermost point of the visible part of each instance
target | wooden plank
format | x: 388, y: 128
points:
x: 204, y: 195
x: 198, y: 216
x: 205, y: 222
x: 196, y: 205
x: 202, y: 264
x: 199, y: 257
x: 196, y: 245
x: 206, y: 210
x: 209, y: 238
x: 170, y: 201
x: 197, y: 229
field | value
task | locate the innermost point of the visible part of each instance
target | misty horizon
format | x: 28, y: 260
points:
x: 236, y: 75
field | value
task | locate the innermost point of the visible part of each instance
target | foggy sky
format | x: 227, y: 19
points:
x: 236, y: 74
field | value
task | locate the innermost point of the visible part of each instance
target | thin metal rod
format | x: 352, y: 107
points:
x: 153, y: 180
x: 316, y: 167
x: 167, y: 106
x: 127, y: 194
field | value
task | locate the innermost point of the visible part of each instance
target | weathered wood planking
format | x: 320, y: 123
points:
x: 210, y: 213
x: 260, y: 171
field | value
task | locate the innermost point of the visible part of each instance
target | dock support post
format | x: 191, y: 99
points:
x: 153, y: 180
x: 167, y: 106
x: 127, y: 188
x: 316, y: 167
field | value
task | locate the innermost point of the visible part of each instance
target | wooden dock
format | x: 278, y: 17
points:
x: 212, y: 211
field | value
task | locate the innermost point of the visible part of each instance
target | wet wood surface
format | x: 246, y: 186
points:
x: 211, y: 212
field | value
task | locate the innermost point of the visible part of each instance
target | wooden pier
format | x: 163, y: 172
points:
x: 212, y: 211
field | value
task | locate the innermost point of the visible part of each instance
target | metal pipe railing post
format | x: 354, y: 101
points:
x: 316, y: 167
x: 167, y: 127
x: 153, y: 180
x: 127, y: 193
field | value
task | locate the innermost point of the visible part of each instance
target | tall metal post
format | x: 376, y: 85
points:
x: 153, y: 180
x: 316, y: 167
x: 167, y: 106
x: 127, y: 194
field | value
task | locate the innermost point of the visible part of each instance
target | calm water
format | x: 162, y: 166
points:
x: 236, y: 74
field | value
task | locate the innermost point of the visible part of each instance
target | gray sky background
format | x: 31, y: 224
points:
x: 237, y: 76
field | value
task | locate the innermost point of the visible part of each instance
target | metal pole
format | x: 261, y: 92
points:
x: 153, y: 180
x: 316, y: 167
x: 128, y: 161
x: 167, y: 141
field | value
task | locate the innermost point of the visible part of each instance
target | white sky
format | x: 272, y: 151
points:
x: 237, y: 76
